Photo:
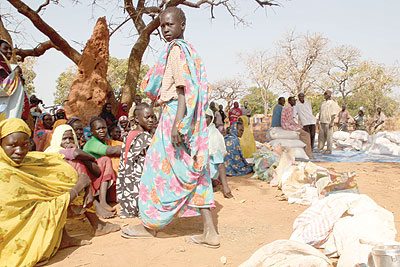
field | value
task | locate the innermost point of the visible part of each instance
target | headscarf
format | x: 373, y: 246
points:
x: 123, y: 132
x: 107, y: 116
x: 328, y: 92
x: 35, y: 198
x: 72, y: 120
x: 121, y: 112
x: 55, y: 125
x: 56, y: 139
x: 41, y: 134
x: 216, y: 142
x: 247, y: 141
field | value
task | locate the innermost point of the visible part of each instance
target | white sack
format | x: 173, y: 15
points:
x: 340, y: 135
x: 287, y: 143
x: 283, y: 253
x: 393, y: 137
x: 279, y: 133
x: 299, y: 153
x: 360, y: 135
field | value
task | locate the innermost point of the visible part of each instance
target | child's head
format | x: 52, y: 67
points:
x: 115, y: 132
x: 209, y: 116
x: 173, y: 23
x: 144, y: 117
x: 98, y: 128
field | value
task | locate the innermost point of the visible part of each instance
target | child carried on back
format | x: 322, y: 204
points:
x: 132, y: 160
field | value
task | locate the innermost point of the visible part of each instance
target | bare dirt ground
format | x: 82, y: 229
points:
x: 255, y: 217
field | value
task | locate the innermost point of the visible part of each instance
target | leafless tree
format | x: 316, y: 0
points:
x: 229, y: 90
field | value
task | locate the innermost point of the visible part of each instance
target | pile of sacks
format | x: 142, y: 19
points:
x: 276, y: 136
x: 384, y: 143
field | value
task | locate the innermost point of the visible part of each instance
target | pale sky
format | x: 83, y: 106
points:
x: 371, y: 26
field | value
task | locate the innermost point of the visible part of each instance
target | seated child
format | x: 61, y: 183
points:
x: 77, y: 125
x: 132, y: 161
x: 114, y: 132
x: 217, y: 152
x: 97, y: 147
x: 64, y: 141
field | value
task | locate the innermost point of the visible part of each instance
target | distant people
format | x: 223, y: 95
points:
x: 124, y: 125
x: 235, y: 162
x: 343, y: 119
x: 288, y: 123
x: 34, y: 107
x: 217, y: 152
x: 234, y: 113
x: 60, y: 114
x: 359, y: 120
x: 218, y: 122
x: 132, y: 161
x: 247, y: 141
x: 379, y: 122
x: 137, y: 100
x: 106, y: 114
x: 114, y: 132
x: 222, y: 112
x: 245, y: 110
x: 122, y: 110
x: 276, y: 114
x: 328, y: 111
x: 43, y: 130
x: 304, y: 110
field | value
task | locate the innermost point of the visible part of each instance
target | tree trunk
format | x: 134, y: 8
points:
x: 134, y: 62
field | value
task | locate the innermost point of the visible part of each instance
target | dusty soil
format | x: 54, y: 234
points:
x: 255, y: 217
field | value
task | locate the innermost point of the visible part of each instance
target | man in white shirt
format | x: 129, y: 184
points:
x: 329, y: 110
x: 303, y: 109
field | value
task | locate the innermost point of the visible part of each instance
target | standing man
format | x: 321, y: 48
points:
x: 217, y: 117
x: 328, y: 111
x: 343, y: 119
x: 304, y: 110
x: 221, y: 111
x: 288, y: 123
x: 380, y: 120
x: 276, y: 114
x: 245, y: 110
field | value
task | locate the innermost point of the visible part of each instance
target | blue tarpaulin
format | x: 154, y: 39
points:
x: 353, y: 156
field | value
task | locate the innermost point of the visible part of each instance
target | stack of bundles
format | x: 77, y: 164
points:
x: 287, y: 139
x: 384, y: 143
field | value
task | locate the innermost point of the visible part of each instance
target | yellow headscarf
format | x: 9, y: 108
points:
x: 55, y: 143
x: 34, y: 201
x: 55, y: 125
x: 247, y: 141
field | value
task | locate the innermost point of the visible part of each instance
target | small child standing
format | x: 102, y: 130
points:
x: 132, y: 160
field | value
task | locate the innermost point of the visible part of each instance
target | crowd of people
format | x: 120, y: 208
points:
x: 298, y: 116
x: 156, y: 168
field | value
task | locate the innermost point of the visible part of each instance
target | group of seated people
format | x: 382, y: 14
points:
x: 79, y: 175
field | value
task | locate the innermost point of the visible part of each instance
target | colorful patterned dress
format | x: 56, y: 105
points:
x: 176, y: 179
x: 235, y: 163
x: 129, y: 172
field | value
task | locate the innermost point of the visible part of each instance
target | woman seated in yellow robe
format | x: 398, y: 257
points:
x: 36, y: 190
x: 247, y: 141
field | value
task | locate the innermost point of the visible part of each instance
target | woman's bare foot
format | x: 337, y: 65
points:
x: 228, y: 194
x: 104, y: 228
x: 102, y: 212
x: 139, y: 231
x: 207, y: 240
x: 68, y: 241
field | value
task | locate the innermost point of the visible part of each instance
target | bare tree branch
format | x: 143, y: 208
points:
x: 267, y: 3
x: 47, y: 30
x: 119, y: 26
x: 42, y: 6
x: 35, y: 52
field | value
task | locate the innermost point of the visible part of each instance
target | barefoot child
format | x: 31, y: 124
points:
x: 132, y: 161
x: 217, y: 151
x: 96, y: 146
x: 176, y: 180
